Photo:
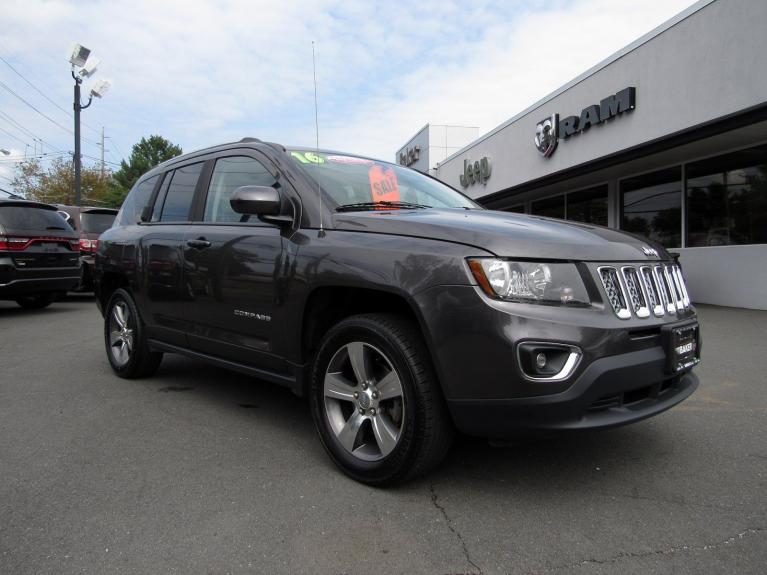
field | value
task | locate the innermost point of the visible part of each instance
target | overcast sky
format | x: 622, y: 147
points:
x: 205, y: 72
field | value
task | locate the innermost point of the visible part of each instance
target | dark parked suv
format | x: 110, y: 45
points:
x: 401, y: 308
x: 89, y: 223
x: 39, y: 254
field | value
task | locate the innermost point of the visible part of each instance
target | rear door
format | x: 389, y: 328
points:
x: 232, y: 265
x: 164, y: 290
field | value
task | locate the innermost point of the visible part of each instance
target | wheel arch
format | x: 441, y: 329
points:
x: 327, y: 305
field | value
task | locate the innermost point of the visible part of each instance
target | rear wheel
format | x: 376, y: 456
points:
x: 376, y: 402
x: 37, y: 301
x: 125, y: 339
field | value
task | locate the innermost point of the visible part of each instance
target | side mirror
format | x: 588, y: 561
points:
x: 256, y: 200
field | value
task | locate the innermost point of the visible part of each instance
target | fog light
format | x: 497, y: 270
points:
x: 547, y: 361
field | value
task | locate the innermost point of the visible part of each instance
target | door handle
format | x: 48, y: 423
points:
x: 198, y: 244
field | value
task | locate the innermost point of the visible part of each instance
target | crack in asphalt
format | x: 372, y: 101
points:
x: 639, y: 555
x: 453, y: 529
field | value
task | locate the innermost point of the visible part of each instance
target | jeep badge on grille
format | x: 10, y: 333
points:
x: 649, y: 251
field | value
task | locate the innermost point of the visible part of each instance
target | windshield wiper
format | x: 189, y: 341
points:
x: 54, y: 228
x: 361, y: 206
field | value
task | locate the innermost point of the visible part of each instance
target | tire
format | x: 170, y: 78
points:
x: 125, y: 339
x: 37, y: 301
x: 405, y: 430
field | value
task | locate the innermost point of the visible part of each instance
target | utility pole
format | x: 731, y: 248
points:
x: 102, y: 153
x: 78, y: 158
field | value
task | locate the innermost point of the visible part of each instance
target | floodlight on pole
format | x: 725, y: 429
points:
x: 79, y: 55
x: 81, y: 58
x: 4, y: 152
x: 100, y: 88
x: 89, y: 69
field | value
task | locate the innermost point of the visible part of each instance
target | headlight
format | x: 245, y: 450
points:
x: 532, y: 282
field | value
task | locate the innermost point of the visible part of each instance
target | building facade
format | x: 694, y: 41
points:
x: 666, y: 138
x: 432, y: 144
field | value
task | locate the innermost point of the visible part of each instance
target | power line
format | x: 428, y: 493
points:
x: 14, y: 137
x: 99, y: 159
x: 35, y: 109
x: 119, y: 150
x: 17, y: 125
x: 27, y: 132
x: 47, y: 117
x: 39, y: 91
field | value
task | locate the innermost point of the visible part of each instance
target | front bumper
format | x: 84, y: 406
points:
x: 612, y: 391
x: 622, y: 376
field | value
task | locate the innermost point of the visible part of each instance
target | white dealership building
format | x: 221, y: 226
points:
x: 666, y: 138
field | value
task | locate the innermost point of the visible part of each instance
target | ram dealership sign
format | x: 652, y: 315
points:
x: 551, y: 129
x: 475, y: 172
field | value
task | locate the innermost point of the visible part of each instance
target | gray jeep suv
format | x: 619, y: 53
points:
x: 401, y: 309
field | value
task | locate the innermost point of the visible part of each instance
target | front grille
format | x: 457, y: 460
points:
x: 646, y: 290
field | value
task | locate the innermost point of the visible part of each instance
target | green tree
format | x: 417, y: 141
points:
x: 55, y: 183
x: 144, y: 156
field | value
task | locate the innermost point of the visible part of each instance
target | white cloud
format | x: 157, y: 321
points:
x: 200, y: 72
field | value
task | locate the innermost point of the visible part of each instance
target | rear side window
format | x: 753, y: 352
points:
x: 228, y: 175
x: 178, y: 200
x: 23, y: 218
x: 137, y: 199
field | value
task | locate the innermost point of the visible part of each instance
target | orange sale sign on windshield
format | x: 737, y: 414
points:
x: 383, y: 184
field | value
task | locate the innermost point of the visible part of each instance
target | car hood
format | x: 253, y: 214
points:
x: 505, y: 234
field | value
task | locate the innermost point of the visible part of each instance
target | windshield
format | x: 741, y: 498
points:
x: 360, y: 183
x: 96, y: 223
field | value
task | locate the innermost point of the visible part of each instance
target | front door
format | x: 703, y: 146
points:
x: 232, y: 265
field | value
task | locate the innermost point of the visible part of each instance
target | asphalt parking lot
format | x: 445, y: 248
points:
x: 197, y: 470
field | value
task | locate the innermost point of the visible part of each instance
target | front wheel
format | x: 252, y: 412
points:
x: 126, y: 344
x: 376, y: 402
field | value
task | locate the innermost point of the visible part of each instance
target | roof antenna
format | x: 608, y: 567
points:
x: 317, y: 135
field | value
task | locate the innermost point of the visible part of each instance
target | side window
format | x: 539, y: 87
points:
x: 228, y: 175
x: 134, y: 204
x: 178, y: 200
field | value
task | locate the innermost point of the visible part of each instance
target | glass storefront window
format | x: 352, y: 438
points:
x: 588, y: 206
x: 651, y: 205
x: 727, y: 199
x: 518, y: 209
x: 550, y: 207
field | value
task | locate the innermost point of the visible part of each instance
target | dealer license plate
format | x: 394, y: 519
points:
x: 682, y: 347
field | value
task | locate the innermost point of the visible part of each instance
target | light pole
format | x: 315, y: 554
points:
x: 80, y: 58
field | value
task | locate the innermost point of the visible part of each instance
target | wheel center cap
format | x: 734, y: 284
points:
x: 364, y: 400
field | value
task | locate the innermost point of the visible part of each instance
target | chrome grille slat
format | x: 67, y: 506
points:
x: 644, y: 290
x: 652, y: 291
x: 676, y: 296
x: 682, y: 286
x: 668, y: 296
x: 636, y: 296
x: 614, y: 291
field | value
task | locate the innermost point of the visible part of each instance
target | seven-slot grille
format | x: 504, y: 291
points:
x: 644, y: 290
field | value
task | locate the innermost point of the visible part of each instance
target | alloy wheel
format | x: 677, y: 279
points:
x: 120, y: 333
x: 363, y: 400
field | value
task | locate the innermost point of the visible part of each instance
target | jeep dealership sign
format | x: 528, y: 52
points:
x: 550, y: 130
x: 475, y: 172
